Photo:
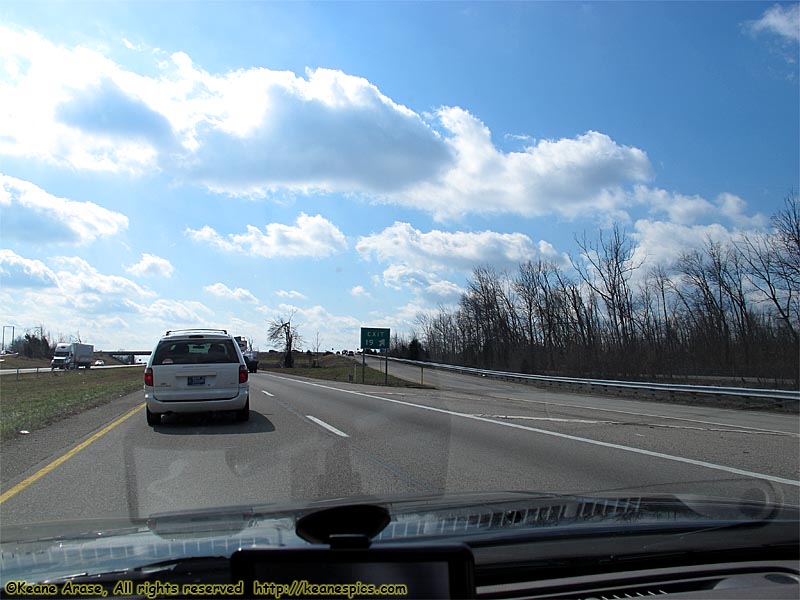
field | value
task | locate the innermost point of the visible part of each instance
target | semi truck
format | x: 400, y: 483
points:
x: 250, y: 355
x: 72, y: 356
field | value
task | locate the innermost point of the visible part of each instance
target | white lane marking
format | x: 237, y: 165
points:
x: 626, y: 412
x: 574, y: 438
x: 330, y: 428
x: 632, y: 423
x: 267, y: 393
x: 554, y: 419
x: 638, y: 414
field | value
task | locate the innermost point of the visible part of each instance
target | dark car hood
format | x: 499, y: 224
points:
x: 46, y: 551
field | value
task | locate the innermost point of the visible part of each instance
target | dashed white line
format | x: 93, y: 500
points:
x: 267, y: 393
x: 330, y: 428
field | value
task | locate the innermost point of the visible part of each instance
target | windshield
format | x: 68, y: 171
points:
x: 340, y: 252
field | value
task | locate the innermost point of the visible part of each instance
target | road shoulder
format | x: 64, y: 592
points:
x: 25, y: 454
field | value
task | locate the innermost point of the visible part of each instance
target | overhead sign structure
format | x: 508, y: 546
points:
x: 373, y: 338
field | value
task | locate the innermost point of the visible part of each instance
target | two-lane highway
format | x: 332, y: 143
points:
x: 312, y: 439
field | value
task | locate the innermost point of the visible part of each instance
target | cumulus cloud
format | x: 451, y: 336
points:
x: 105, y: 110
x: 67, y: 289
x: 20, y: 272
x: 359, y: 291
x: 152, y: 266
x: 255, y: 131
x: 734, y: 209
x: 459, y: 250
x: 310, y: 236
x: 424, y: 283
x: 691, y: 210
x: 78, y: 278
x: 223, y: 291
x: 783, y: 21
x: 176, y: 312
x: 566, y: 176
x: 661, y: 242
x: 290, y: 294
x: 329, y: 131
x: 31, y: 214
x: 245, y: 131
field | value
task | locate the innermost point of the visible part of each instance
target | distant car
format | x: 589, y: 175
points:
x: 99, y: 362
x: 351, y: 353
x: 196, y: 370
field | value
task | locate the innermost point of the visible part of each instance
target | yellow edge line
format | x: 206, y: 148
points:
x: 65, y: 457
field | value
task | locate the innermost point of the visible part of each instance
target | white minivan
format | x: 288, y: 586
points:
x: 196, y: 370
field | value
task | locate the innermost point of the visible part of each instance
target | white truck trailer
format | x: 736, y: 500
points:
x: 72, y: 356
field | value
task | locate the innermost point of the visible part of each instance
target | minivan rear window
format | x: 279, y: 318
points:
x: 190, y: 353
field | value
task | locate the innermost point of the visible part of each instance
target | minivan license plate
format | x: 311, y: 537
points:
x: 197, y: 380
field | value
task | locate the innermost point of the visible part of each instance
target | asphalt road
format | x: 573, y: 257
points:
x: 311, y: 440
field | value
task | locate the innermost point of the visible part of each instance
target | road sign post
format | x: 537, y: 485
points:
x: 373, y: 338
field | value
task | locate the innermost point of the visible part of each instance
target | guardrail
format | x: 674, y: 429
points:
x: 786, y: 395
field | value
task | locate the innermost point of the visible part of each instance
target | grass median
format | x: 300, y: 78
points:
x: 32, y: 400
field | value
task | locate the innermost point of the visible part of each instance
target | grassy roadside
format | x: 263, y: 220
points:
x: 340, y: 368
x: 20, y: 362
x: 34, y: 400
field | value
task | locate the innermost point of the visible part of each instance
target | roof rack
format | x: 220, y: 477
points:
x: 171, y: 331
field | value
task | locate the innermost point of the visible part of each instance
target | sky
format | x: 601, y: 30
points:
x: 191, y: 164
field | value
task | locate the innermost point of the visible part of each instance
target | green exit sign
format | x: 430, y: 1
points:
x: 374, y: 338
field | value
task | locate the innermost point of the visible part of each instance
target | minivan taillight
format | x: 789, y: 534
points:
x: 242, y: 374
x: 148, y: 377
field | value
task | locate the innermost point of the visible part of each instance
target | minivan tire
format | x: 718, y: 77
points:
x: 244, y: 413
x: 153, y: 419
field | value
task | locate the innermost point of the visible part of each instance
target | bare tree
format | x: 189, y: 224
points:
x: 606, y: 268
x: 764, y: 271
x: 283, y: 331
x: 787, y: 229
x: 317, y: 344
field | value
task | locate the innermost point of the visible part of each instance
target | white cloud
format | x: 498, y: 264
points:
x: 32, y: 214
x: 41, y: 78
x: 152, y: 266
x: 19, y: 272
x: 780, y: 20
x: 315, y: 237
x: 290, y: 294
x: 457, y: 250
x: 78, y: 278
x: 359, y: 291
x: 258, y: 132
x: 172, y: 313
x: 566, y: 176
x: 681, y: 209
x: 733, y: 208
x: 663, y: 242
x: 245, y: 131
x: 223, y: 291
x: 423, y: 283
x: 691, y: 210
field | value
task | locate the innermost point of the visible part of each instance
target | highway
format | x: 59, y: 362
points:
x: 310, y: 439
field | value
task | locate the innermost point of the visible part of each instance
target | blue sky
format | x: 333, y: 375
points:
x: 220, y: 164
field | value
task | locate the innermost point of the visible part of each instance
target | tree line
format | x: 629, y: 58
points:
x: 725, y: 309
x: 32, y: 345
